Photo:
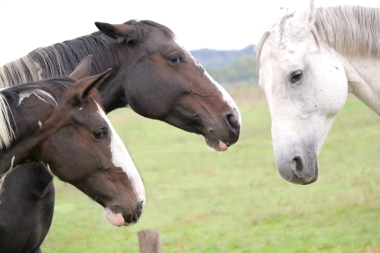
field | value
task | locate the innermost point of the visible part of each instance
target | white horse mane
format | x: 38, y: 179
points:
x: 350, y: 30
x: 7, y: 134
x: 6, y: 131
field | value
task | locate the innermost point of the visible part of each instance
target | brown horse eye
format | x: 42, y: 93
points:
x: 175, y: 58
x: 100, y: 133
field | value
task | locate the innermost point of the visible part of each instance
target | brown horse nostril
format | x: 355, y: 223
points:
x: 299, y: 166
x: 233, y: 121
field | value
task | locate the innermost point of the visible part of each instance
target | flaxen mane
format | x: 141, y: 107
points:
x: 350, y: 30
x: 61, y: 58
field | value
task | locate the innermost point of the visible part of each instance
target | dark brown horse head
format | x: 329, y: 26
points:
x: 75, y: 140
x: 162, y: 80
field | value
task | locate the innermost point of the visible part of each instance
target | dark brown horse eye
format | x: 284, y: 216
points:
x: 175, y: 58
x: 100, y: 133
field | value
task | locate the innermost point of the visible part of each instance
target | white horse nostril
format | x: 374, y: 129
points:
x: 298, y: 167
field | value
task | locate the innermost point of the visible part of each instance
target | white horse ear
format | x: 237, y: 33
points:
x: 307, y: 14
x: 312, y: 13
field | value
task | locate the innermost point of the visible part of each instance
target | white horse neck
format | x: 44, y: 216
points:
x: 363, y: 78
x: 354, y: 32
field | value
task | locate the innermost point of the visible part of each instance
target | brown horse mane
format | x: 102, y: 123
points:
x: 61, y: 58
x: 48, y: 91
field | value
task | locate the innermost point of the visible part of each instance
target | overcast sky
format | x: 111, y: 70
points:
x: 224, y: 25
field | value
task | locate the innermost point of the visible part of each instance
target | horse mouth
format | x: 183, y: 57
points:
x: 115, y: 216
x: 212, y: 139
x: 215, y: 142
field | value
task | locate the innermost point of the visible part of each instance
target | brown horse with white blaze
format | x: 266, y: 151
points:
x: 152, y: 74
x: 60, y: 123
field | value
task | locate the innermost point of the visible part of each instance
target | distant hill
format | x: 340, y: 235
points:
x: 217, y: 59
x: 230, y: 68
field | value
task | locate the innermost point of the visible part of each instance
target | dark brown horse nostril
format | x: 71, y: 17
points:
x: 137, y: 212
x: 233, y: 121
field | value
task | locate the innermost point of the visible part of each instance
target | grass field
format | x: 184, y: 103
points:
x: 204, y: 201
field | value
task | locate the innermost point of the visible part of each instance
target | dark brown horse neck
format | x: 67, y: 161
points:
x: 26, y: 209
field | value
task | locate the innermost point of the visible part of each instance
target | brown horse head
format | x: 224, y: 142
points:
x: 60, y: 122
x: 162, y: 80
x: 152, y: 74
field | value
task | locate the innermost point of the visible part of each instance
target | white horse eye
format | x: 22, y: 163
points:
x: 296, y: 76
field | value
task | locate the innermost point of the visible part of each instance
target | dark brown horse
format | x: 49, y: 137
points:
x: 60, y: 123
x: 152, y: 74
x: 26, y: 208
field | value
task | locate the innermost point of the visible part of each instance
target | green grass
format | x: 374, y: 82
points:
x: 204, y: 201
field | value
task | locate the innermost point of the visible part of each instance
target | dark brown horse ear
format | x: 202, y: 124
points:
x: 120, y: 33
x: 83, y: 69
x: 85, y: 85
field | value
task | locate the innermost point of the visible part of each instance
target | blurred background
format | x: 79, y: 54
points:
x: 201, y: 200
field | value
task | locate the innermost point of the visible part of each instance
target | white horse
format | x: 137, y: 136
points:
x: 309, y: 60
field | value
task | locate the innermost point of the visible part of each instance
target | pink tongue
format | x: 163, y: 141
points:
x: 115, y: 219
x: 222, y: 146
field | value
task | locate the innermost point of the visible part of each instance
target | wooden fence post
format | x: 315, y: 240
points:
x: 150, y: 241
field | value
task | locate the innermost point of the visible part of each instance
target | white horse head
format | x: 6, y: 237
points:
x: 309, y: 61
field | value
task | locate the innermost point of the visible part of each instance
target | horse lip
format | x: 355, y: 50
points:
x: 213, y: 140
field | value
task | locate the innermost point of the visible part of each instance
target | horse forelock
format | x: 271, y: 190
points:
x: 277, y: 25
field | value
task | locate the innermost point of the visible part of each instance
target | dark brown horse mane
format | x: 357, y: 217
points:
x: 61, y: 58
x: 53, y: 86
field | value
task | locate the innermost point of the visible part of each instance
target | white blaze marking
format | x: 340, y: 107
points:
x: 122, y: 159
x: 225, y: 95
x: 40, y: 123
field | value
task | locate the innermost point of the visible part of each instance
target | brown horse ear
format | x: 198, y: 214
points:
x: 85, y: 85
x: 120, y: 33
x: 83, y: 69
